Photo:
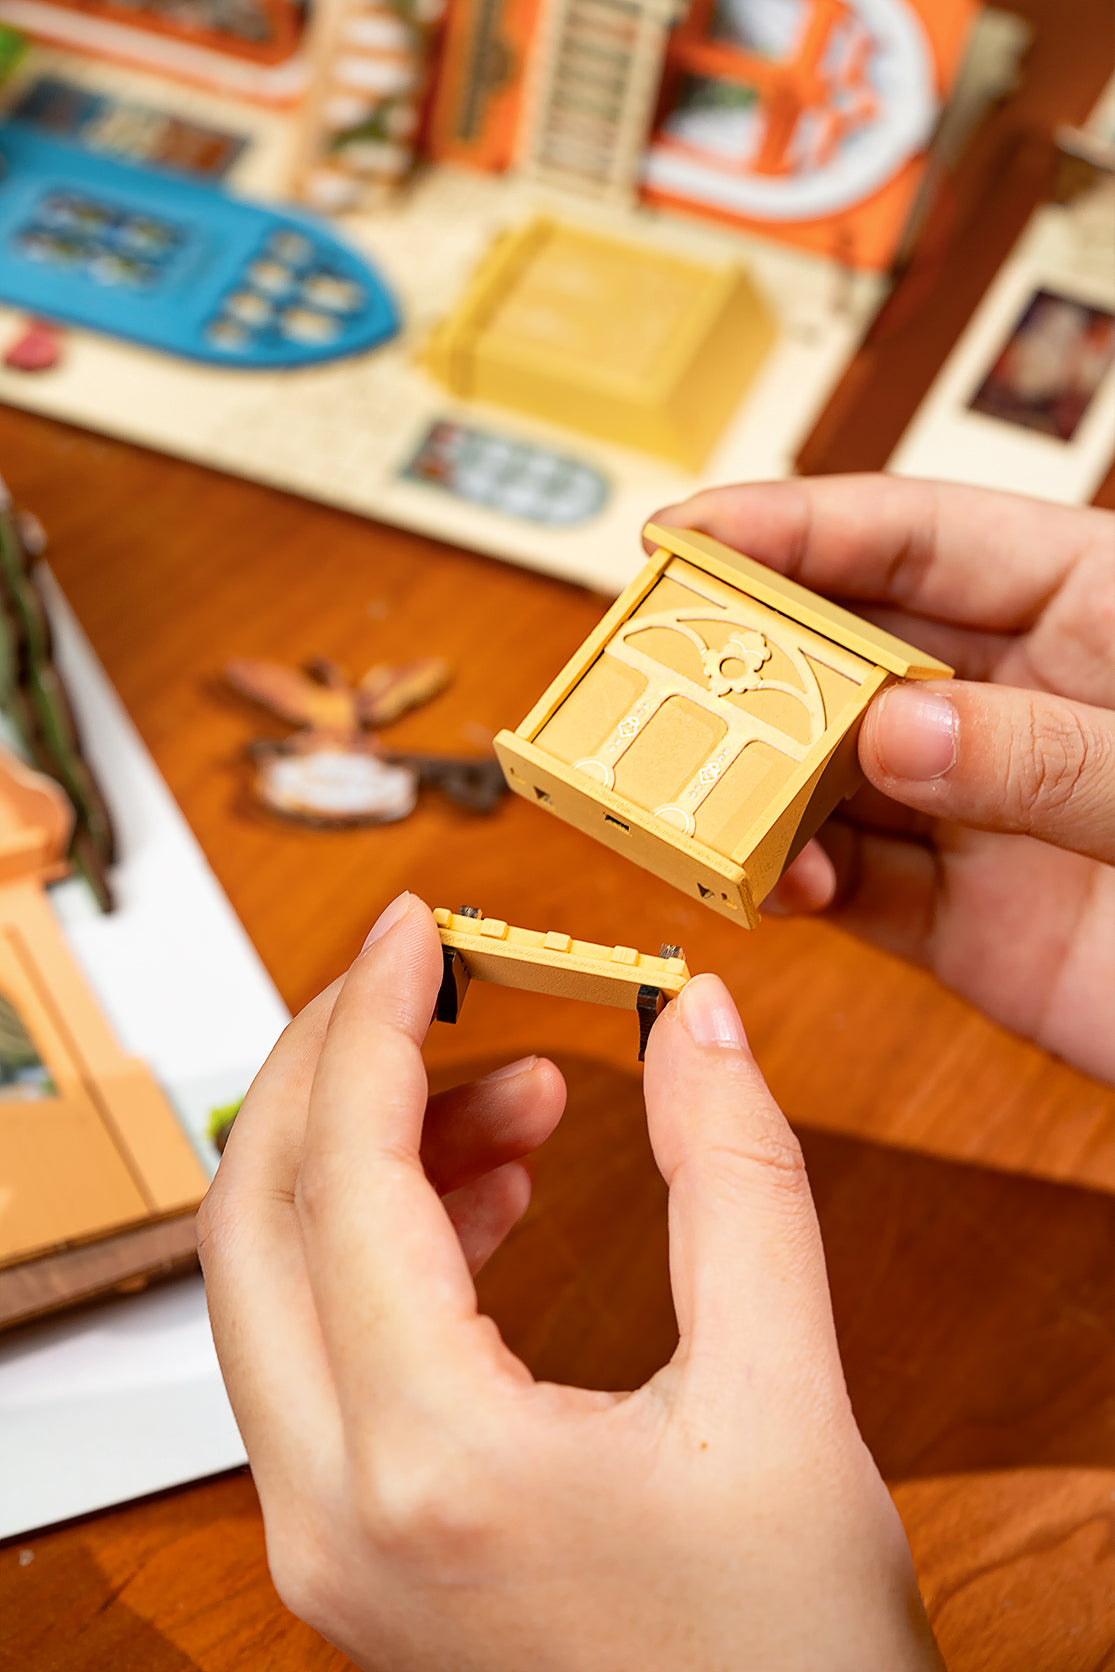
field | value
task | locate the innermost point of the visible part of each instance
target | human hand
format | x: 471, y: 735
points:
x: 428, y: 1505
x: 983, y: 847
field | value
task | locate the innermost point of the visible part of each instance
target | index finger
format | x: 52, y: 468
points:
x: 960, y: 554
x: 391, y: 1286
x: 262, y: 1313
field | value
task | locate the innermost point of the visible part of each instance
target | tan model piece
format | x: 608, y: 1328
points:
x: 638, y: 346
x: 549, y: 962
x: 88, y: 1143
x: 708, y: 726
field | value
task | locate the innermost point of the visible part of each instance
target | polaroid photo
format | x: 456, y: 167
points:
x: 1051, y: 366
x: 1026, y: 399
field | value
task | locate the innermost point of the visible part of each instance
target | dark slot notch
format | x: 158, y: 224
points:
x: 543, y: 795
x: 626, y: 828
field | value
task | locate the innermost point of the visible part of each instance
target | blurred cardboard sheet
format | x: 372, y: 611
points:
x: 126, y: 1398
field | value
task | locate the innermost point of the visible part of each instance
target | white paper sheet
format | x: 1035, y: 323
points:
x: 127, y: 1398
x: 122, y: 1400
x: 1070, y: 251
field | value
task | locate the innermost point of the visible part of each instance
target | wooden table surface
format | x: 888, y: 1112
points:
x: 964, y: 1179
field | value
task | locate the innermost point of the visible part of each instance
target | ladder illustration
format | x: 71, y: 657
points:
x: 591, y: 86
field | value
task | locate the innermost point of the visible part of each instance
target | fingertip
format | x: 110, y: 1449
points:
x: 472, y: 1129
x: 518, y: 1187
x: 542, y: 1072
x: 687, y: 513
x: 505, y: 1192
x: 708, y: 1013
x: 668, y: 516
x: 910, y: 735
x: 387, y: 919
x: 534, y: 1091
x: 807, y: 885
x: 406, y: 926
x: 405, y: 907
x: 484, y: 1212
x: 699, y: 1033
x: 397, y: 971
x: 550, y: 1090
x: 995, y: 757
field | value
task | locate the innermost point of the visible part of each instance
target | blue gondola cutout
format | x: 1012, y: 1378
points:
x: 168, y: 262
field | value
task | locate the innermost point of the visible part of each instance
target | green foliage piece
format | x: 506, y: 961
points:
x: 13, y: 47
x: 22, y: 1070
x: 220, y: 1122
x: 33, y: 697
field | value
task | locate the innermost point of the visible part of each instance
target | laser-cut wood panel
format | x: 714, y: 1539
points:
x: 88, y: 1142
x: 708, y: 727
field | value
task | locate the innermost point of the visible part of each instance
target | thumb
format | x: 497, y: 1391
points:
x: 998, y: 758
x: 746, y: 1263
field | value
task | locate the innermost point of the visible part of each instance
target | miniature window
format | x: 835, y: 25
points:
x: 23, y: 1074
x: 770, y: 87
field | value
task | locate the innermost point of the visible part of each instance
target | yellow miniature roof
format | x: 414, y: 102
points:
x: 799, y: 603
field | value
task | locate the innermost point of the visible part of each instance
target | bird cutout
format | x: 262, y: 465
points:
x: 333, y: 773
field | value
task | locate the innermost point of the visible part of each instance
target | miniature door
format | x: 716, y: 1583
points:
x: 88, y: 1143
x: 709, y: 725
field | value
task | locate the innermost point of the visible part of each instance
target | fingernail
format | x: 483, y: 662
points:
x: 916, y: 733
x: 708, y: 1014
x: 510, y: 1070
x: 387, y: 919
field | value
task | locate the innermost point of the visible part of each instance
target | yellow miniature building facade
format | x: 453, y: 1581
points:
x: 708, y: 727
x: 611, y: 339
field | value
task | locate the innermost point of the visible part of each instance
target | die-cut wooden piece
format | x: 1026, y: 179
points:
x: 547, y: 962
x: 88, y: 1143
x: 708, y: 726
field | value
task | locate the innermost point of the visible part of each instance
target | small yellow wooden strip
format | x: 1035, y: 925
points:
x: 541, y: 961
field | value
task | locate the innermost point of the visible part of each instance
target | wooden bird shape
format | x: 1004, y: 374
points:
x: 321, y: 700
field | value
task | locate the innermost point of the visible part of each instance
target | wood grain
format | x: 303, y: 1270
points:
x: 964, y: 1180
x: 120, y: 1264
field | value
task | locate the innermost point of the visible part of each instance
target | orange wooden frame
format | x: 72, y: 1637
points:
x: 786, y: 88
x: 98, y: 1148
